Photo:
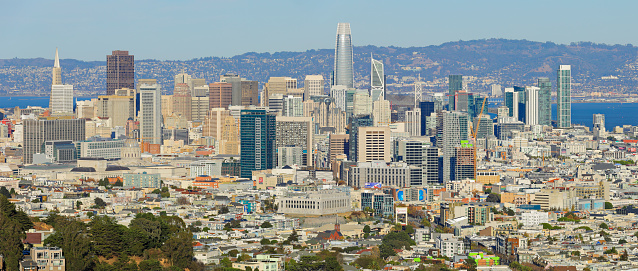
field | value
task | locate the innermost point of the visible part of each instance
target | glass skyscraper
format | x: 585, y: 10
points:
x: 455, y: 83
x: 377, y: 80
x: 544, y: 101
x: 343, y: 71
x: 355, y: 123
x: 564, y: 97
x: 258, y: 134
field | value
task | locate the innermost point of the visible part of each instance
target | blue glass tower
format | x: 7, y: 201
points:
x: 258, y: 145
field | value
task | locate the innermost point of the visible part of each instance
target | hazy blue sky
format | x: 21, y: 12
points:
x: 170, y: 29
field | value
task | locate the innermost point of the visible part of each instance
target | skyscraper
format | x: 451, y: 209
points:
x: 427, y: 108
x: 36, y: 132
x: 182, y: 101
x: 258, y: 140
x: 355, y: 123
x: 343, y: 71
x: 120, y: 71
x: 249, y: 93
x: 373, y: 144
x: 235, y: 81
x: 381, y: 113
x: 532, y: 105
x: 544, y: 101
x: 221, y: 94
x: 455, y: 83
x: 455, y: 129
x: 313, y: 86
x: 564, y: 97
x: 377, y: 80
x: 296, y: 132
x: 56, y: 73
x: 61, y: 100
x: 150, y: 114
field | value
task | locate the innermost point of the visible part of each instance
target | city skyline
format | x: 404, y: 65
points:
x: 478, y: 20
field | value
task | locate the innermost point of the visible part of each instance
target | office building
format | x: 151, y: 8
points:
x: 277, y: 86
x: 99, y: 147
x: 421, y: 154
x: 61, y: 99
x: 362, y: 103
x: 150, y: 114
x: 120, y: 71
x: 119, y: 109
x: 316, y: 203
x: 258, y: 140
x: 427, y: 108
x: 249, y: 93
x: 455, y: 83
x: 373, y: 144
x: 326, y: 116
x: 292, y: 106
x: 200, y: 103
x: 339, y: 96
x: 413, y: 122
x: 221, y: 95
x: 485, y: 126
x: 544, y: 101
x: 37, y: 132
x: 214, y: 123
x: 532, y: 105
x: 564, y: 97
x: 511, y: 100
x: 381, y: 203
x: 381, y: 112
x: 455, y: 129
x: 296, y: 132
x: 339, y: 145
x: 182, y: 100
x: 377, y: 80
x: 496, y: 90
x: 230, y: 141
x: 599, y: 125
x: 343, y: 71
x: 236, y: 92
x: 313, y: 86
x: 355, y: 123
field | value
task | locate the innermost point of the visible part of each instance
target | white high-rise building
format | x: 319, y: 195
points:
x: 381, y: 113
x: 362, y: 103
x: 496, y: 90
x: 313, y: 86
x: 292, y: 106
x: 413, y: 122
x: 150, y: 114
x: 377, y: 80
x: 343, y: 71
x: 61, y: 99
x: 532, y: 105
x: 339, y: 94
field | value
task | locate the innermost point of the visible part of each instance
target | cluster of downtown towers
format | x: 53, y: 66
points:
x: 448, y: 123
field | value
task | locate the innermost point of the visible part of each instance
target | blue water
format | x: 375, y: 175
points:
x: 616, y: 114
x: 23, y: 102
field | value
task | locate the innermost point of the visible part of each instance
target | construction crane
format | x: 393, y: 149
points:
x: 474, y: 131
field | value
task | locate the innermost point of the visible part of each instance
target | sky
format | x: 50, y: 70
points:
x: 180, y: 30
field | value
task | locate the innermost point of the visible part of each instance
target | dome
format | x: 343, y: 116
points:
x: 131, y: 143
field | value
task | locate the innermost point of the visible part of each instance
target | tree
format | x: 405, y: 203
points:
x: 608, y: 205
x: 72, y: 236
x: 624, y: 256
x: 264, y: 242
x: 99, y: 202
x: 603, y: 226
x: 223, y: 210
x: 622, y: 241
x: 13, y: 224
x: 179, y: 249
x: 5, y: 192
x: 78, y: 204
x: 107, y: 236
x: 294, y: 237
x: 12, y: 192
x: 118, y: 183
x: 233, y: 253
x: 266, y: 224
x: 150, y: 265
x: 493, y: 198
x: 366, y: 229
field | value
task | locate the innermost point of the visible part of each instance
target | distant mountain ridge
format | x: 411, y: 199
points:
x: 506, y: 62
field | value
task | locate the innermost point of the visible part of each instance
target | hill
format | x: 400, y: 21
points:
x: 506, y: 62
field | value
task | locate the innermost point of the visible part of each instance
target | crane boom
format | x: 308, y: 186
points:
x: 474, y: 131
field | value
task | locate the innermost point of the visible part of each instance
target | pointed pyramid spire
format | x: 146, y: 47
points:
x: 56, y: 64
